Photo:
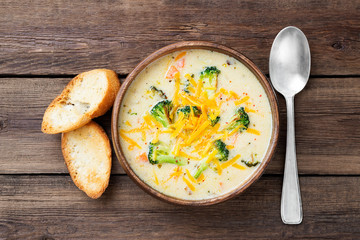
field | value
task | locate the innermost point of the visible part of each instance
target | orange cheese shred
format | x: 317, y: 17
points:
x: 188, y: 183
x: 218, y: 166
x: 238, y: 102
x: 249, y: 110
x: 230, y: 162
x: 235, y: 165
x: 253, y: 131
x: 201, y: 177
x: 190, y: 176
x: 156, y: 180
x: 195, y: 134
x: 129, y: 140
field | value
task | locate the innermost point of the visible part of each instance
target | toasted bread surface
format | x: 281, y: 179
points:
x: 88, y: 95
x: 87, y: 155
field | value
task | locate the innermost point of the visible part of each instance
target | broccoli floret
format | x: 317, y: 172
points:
x: 214, y: 119
x: 160, y: 153
x: 221, y: 155
x: 241, y: 118
x: 250, y: 163
x: 161, y: 112
x: 209, y: 77
x: 186, y: 110
x: 155, y: 90
x: 223, y: 152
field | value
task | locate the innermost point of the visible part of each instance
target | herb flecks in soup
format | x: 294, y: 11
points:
x: 195, y: 124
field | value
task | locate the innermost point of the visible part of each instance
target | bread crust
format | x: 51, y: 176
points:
x: 101, y: 109
x: 69, y: 160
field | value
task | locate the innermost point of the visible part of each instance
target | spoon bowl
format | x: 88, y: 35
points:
x: 289, y: 72
x: 290, y: 61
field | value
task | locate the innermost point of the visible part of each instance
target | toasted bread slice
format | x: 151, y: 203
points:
x: 87, y: 155
x: 88, y: 95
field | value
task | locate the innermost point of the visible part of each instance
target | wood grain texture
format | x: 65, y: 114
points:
x: 327, y: 132
x: 70, y: 36
x: 51, y: 207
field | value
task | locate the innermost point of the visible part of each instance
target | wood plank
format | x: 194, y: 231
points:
x: 68, y: 37
x: 327, y: 119
x: 51, y: 207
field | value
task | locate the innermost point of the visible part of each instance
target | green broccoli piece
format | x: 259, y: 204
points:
x: 160, y: 153
x: 221, y: 155
x: 241, y: 118
x: 155, y: 90
x: 161, y: 112
x: 186, y: 110
x: 250, y: 163
x: 223, y: 152
x: 213, y: 119
x: 209, y: 76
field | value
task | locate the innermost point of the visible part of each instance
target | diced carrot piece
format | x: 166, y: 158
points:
x: 142, y: 157
x: 171, y: 72
x: 180, y: 55
x: 181, y: 63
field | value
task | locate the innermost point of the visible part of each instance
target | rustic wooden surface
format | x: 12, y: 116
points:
x: 43, y: 44
x: 50, y: 207
x: 67, y: 36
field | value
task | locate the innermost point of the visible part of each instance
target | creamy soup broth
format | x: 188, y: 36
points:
x: 236, y: 87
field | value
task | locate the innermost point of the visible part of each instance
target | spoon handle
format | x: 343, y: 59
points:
x: 291, y: 207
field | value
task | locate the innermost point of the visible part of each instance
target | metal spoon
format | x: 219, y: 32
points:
x: 289, y: 72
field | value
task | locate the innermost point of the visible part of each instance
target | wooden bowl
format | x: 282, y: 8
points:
x: 196, y: 45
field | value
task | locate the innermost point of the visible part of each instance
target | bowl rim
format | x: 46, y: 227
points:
x: 179, y: 46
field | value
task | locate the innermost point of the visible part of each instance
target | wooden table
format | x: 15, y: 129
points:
x: 43, y: 44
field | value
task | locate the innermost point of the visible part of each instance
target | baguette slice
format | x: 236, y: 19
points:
x: 88, y: 95
x: 87, y: 155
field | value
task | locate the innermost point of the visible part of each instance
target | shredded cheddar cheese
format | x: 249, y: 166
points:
x: 185, y: 155
x: 190, y: 176
x: 234, y: 95
x: 201, y: 178
x: 178, y: 129
x: 218, y: 166
x: 211, y: 156
x: 148, y: 120
x: 230, y: 162
x: 191, y: 80
x: 198, y: 88
x: 235, y: 130
x: 253, y: 131
x: 177, y: 146
x: 195, y: 134
x: 156, y: 138
x: 129, y: 140
x: 177, y: 88
x: 188, y: 183
x: 156, y: 180
x: 235, y: 165
x: 238, y: 102
x: 249, y: 110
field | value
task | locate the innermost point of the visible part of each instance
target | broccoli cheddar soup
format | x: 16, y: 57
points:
x: 195, y: 124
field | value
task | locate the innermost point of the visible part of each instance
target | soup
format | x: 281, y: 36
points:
x: 195, y: 124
